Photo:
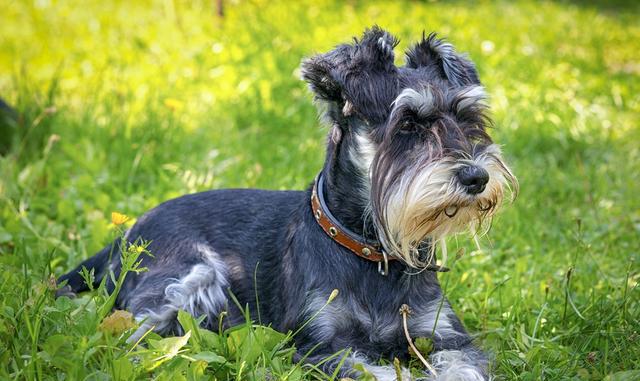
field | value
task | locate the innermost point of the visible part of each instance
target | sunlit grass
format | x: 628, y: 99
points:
x: 123, y: 105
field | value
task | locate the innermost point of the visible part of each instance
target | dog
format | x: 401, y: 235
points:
x: 408, y: 163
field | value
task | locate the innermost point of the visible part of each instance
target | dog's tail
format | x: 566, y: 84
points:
x: 99, y: 263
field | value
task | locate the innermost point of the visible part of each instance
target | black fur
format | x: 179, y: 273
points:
x: 435, y: 53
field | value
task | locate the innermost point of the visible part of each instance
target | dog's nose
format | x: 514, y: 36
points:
x: 474, y: 178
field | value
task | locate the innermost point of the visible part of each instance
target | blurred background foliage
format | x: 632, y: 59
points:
x: 119, y: 105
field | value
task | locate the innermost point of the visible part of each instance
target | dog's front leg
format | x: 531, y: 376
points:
x: 461, y: 364
x: 354, y: 366
x: 455, y: 356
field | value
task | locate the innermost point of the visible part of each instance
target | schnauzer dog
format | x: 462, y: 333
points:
x: 408, y: 163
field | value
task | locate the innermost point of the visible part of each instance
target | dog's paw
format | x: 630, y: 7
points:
x: 452, y: 365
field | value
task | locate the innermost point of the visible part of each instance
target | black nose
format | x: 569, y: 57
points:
x: 473, y: 178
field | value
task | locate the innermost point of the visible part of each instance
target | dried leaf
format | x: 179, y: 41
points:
x: 118, y: 322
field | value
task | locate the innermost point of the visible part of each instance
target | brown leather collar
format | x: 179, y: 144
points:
x: 358, y: 245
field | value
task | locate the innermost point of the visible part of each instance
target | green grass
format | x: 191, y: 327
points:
x: 122, y: 106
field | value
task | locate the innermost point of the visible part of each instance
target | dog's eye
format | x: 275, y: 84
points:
x: 409, y: 127
x: 406, y: 127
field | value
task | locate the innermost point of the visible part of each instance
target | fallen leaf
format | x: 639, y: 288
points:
x: 118, y: 322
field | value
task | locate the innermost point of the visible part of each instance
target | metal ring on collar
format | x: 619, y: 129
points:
x: 384, y: 271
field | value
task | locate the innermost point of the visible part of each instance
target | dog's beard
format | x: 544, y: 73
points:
x: 428, y: 203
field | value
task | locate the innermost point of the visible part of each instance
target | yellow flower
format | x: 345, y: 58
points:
x: 119, y: 218
x: 138, y: 249
x: 173, y: 104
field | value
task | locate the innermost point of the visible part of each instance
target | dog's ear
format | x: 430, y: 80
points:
x: 322, y: 73
x: 432, y: 51
x: 374, y: 51
x: 319, y: 72
x: 372, y: 79
x: 359, y: 79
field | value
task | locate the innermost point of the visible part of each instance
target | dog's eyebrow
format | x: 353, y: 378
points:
x: 422, y: 102
x: 471, y: 96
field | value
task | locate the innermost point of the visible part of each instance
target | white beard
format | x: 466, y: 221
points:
x: 428, y: 202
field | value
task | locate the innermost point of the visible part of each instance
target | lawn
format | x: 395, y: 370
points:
x: 121, y: 105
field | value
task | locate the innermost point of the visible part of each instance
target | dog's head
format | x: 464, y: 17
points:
x: 416, y: 134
